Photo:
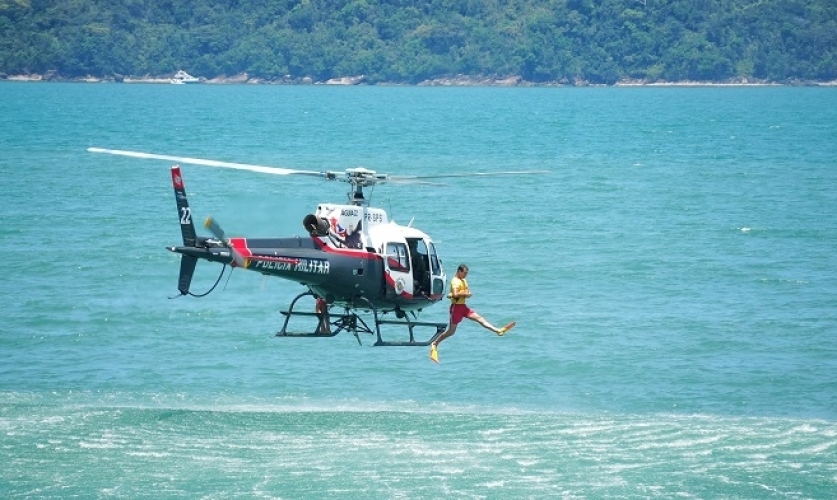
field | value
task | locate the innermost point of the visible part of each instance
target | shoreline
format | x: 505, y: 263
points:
x: 452, y: 81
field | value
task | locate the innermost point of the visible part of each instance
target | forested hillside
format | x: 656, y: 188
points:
x: 566, y: 41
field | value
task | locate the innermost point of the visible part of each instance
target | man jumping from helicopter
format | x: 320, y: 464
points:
x: 459, y: 292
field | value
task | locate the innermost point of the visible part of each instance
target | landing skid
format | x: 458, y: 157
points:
x: 354, y: 324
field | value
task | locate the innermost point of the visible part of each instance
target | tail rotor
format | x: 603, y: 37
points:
x: 216, y: 231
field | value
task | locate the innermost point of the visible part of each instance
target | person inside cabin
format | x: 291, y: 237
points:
x: 421, y: 276
x: 353, y: 237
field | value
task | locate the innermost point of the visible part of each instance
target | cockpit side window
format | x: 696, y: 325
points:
x: 397, y: 257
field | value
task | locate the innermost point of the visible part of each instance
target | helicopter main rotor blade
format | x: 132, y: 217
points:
x: 413, y: 181
x: 210, y: 163
x: 419, y: 179
x: 357, y: 176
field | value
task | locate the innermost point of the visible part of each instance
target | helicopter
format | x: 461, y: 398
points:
x: 353, y: 257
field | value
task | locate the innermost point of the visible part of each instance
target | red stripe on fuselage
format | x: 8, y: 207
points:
x: 241, y: 246
x: 286, y: 260
x: 348, y: 252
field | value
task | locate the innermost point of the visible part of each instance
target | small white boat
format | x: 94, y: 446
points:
x: 182, y: 77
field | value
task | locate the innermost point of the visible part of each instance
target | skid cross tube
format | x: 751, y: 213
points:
x: 440, y: 328
x: 353, y: 323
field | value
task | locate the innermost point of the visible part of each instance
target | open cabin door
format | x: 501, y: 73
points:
x: 437, y: 288
x: 427, y: 271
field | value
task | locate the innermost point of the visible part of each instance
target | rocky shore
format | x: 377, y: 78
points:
x: 449, y: 81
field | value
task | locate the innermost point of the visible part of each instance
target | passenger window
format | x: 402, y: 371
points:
x: 397, y: 259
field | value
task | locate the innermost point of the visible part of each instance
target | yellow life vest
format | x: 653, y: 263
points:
x: 457, y: 285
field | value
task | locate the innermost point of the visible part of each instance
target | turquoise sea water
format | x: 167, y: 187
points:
x: 674, y: 279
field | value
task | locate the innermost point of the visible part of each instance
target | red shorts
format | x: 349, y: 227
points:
x: 458, y: 312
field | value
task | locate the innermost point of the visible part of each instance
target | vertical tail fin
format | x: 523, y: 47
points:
x: 187, y: 230
x: 187, y: 227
